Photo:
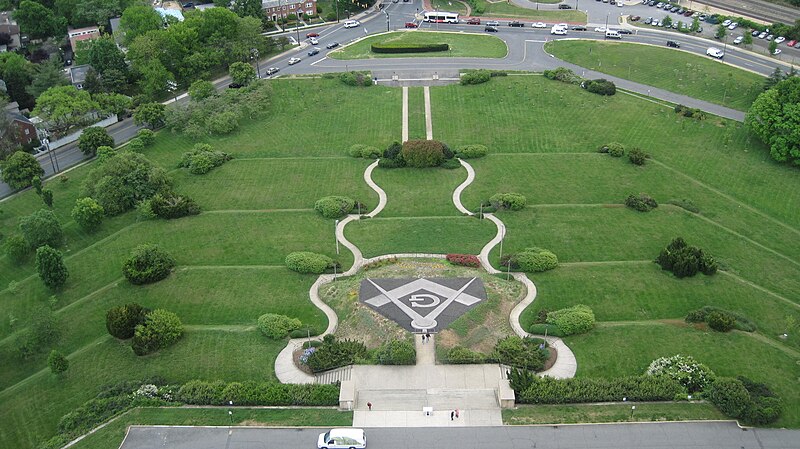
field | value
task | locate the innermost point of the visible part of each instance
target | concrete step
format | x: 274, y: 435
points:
x: 439, y: 399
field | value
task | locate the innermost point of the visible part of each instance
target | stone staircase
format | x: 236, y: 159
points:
x: 334, y: 375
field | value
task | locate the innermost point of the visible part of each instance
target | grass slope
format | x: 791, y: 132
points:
x: 464, y: 45
x: 431, y: 195
x: 527, y: 415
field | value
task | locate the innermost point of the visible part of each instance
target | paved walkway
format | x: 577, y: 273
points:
x: 405, y: 113
x: 428, y: 117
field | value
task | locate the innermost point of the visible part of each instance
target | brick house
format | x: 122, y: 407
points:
x: 10, y: 27
x: 282, y: 8
x: 82, y: 34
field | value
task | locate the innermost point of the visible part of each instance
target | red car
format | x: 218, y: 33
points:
x: 411, y: 24
x: 312, y: 35
x: 474, y: 21
x: 791, y: 43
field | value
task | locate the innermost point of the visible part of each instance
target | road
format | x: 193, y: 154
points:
x: 618, y: 436
x: 525, y: 53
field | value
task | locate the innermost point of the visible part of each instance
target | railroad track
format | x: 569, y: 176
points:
x: 757, y: 9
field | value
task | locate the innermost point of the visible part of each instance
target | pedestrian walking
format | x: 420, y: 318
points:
x: 456, y: 413
x: 428, y: 336
x: 423, y: 338
x: 452, y: 414
x: 369, y: 406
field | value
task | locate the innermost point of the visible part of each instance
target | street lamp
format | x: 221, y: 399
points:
x: 254, y: 51
x: 53, y: 160
x: 335, y: 237
x: 387, y: 19
x: 172, y: 87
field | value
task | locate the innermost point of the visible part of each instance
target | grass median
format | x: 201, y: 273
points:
x: 462, y: 45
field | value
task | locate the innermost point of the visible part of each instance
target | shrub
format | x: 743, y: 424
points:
x: 201, y: 392
x: 308, y: 262
x: 51, y: 268
x: 203, y: 158
x: 171, y: 206
x: 451, y: 164
x: 41, y: 228
x: 161, y: 328
x: 547, y: 390
x: 19, y: 169
x: 463, y: 356
x: 121, y: 321
x: 304, y: 332
x: 740, y: 322
x: 57, y: 362
x: 475, y: 77
x: 509, y: 201
x: 562, y: 74
x: 637, y: 156
x: 685, y: 204
x: 615, y: 149
x: 393, y: 150
x: 423, y: 153
x: 146, y: 136
x: 365, y: 151
x: 92, y: 138
x: 223, y: 123
x: 600, y: 86
x: 720, y: 322
x: 88, y: 213
x: 135, y: 144
x: 685, y: 369
x: 686, y: 111
x: 744, y: 399
x: 641, y: 202
x: 147, y: 264
x: 396, y: 352
x: 473, y: 151
x: 729, y: 396
x: 334, y: 206
x: 534, y: 260
x: 685, y: 261
x: 356, y: 79
x: 335, y: 353
x: 396, y: 47
x: 572, y: 320
x: 16, y: 248
x: 546, y: 329
x: 105, y: 153
x: 465, y: 260
x: 524, y: 353
x: 277, y: 326
x: 124, y: 180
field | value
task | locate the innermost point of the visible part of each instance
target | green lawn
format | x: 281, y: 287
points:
x: 378, y: 236
x: 416, y: 113
x: 628, y: 350
x: 677, y: 71
x: 505, y: 9
x: 111, y: 436
x: 595, y: 413
x: 431, y: 195
x: 450, y: 6
x: 464, y: 45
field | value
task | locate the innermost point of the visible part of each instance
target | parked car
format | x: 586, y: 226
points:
x: 332, y: 45
x: 755, y: 33
x: 563, y: 6
x: 272, y: 70
x: 294, y: 61
x: 762, y: 35
x: 310, y: 35
x: 516, y: 24
x: 715, y: 52
x: 634, y: 18
x: 493, y: 23
x: 411, y: 25
x: 673, y: 44
x: 738, y: 40
x: 770, y: 37
x: 578, y: 28
x: 234, y: 86
x: 600, y: 29
x: 491, y: 29
x: 188, y: 5
x: 674, y: 9
x: 313, y: 41
x: 791, y: 43
x: 779, y: 39
x: 776, y: 52
x: 726, y: 22
x: 313, y: 51
x: 342, y: 438
x: 797, y: 45
x: 648, y: 21
x: 689, y: 13
x: 613, y: 2
x: 539, y: 25
x: 659, y: 5
x: 473, y: 21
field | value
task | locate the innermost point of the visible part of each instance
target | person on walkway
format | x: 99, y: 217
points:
x: 423, y: 338
x: 369, y: 406
x: 428, y: 336
x: 456, y: 413
x: 452, y: 414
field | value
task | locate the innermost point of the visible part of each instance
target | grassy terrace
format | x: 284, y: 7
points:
x: 676, y: 71
x: 461, y: 45
x: 591, y: 413
x: 508, y: 10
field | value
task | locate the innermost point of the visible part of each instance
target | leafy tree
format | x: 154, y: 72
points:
x: 245, y: 8
x: 51, y: 268
x: 124, y: 180
x: 774, y: 119
x: 721, y: 32
x: 91, y: 12
x: 103, y: 55
x: 748, y: 40
x: 42, y: 330
x: 242, y: 73
x: 38, y: 21
x: 17, y: 72
x: 201, y: 89
x: 92, y: 138
x: 19, y: 170
x: 151, y: 115
x: 57, y: 362
x: 148, y: 264
x: 146, y: 136
x: 774, y: 78
x: 667, y: 21
x: 121, y: 321
x: 160, y: 329
x: 92, y: 83
x: 139, y: 19
x: 17, y: 248
x: 64, y: 107
x: 48, y: 74
x: 114, y: 80
x: 695, y: 25
x: 112, y: 103
x: 47, y: 197
x: 154, y: 77
x: 88, y: 213
x: 282, y: 42
x: 773, y: 46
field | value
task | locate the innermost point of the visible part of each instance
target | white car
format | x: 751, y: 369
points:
x: 558, y: 30
x: 776, y: 52
x: 352, y: 23
x: 738, y: 40
x: 345, y: 438
x: 313, y: 41
x: 601, y: 29
x: 294, y: 61
x: 540, y: 25
x: 733, y: 26
x: 726, y: 22
x: 620, y: 4
x: 779, y: 39
x: 762, y: 35
x: 715, y: 52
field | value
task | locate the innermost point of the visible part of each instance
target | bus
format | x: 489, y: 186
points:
x: 440, y: 17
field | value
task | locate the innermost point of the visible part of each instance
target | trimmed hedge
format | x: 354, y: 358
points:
x: 389, y: 47
x: 424, y: 153
x: 600, y: 86
x: 148, y: 264
x: 509, y: 201
x: 396, y: 352
x: 641, y: 202
x: 572, y: 320
x: 199, y: 392
x: 473, y: 151
x: 365, y: 151
x: 534, y: 260
x: 475, y: 77
x: 334, y: 206
x: 463, y: 356
x: 277, y: 326
x: 308, y: 262
x: 547, y: 390
x: 701, y: 315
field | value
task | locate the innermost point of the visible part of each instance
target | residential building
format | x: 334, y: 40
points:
x: 10, y: 27
x: 170, y: 9
x: 23, y: 130
x: 82, y: 35
x: 77, y: 75
x: 282, y: 8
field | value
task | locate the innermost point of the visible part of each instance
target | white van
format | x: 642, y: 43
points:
x: 351, y: 23
x: 344, y: 438
x: 715, y: 53
x: 558, y: 29
x: 613, y: 34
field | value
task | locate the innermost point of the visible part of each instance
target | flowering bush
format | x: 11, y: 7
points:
x: 683, y: 368
x: 306, y: 354
x: 466, y: 260
x: 146, y: 391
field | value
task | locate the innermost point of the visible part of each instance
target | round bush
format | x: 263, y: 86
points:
x: 160, y: 329
x: 615, y: 149
x: 334, y: 206
x: 364, y: 151
x: 147, y: 264
x: 720, y: 321
x: 135, y: 144
x: 729, y: 396
x: 573, y: 320
x: 121, y: 321
x: 396, y: 352
x: 451, y: 164
x: 535, y: 260
x: 637, y: 156
x: 277, y: 326
x: 423, y: 153
x: 471, y: 151
x: 510, y: 201
x: 685, y: 369
x: 308, y: 262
